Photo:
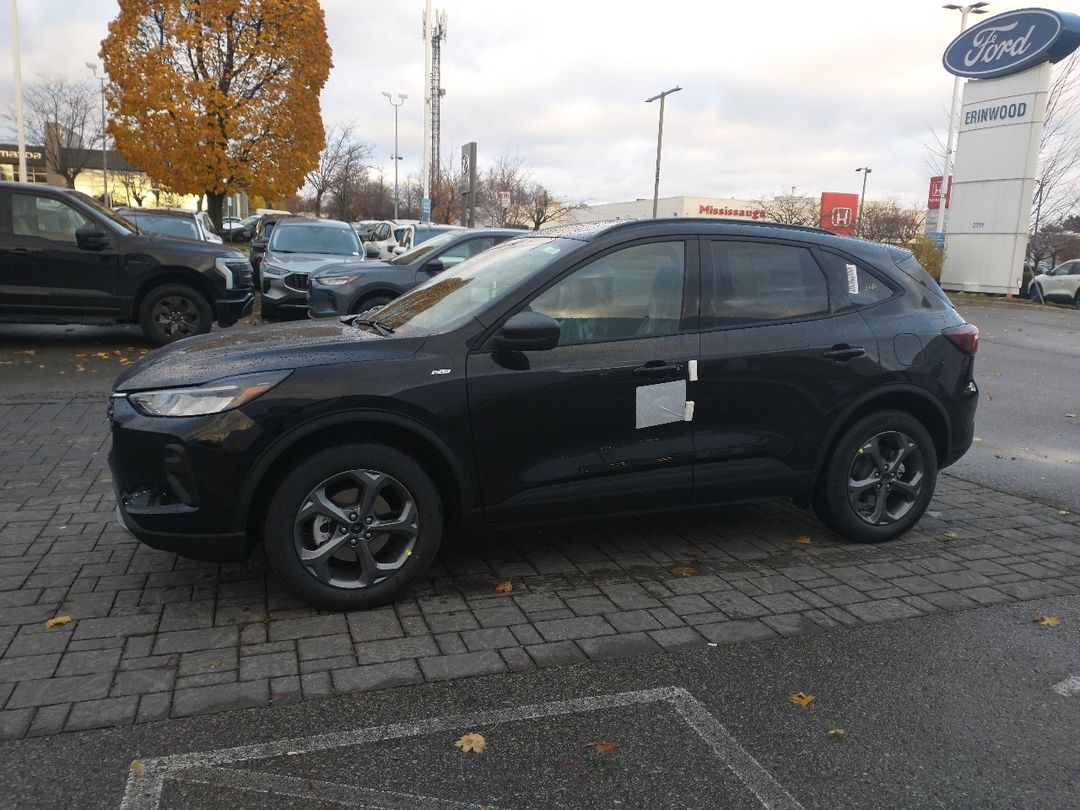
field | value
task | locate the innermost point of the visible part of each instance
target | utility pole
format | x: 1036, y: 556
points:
x: 659, y: 143
x: 20, y: 123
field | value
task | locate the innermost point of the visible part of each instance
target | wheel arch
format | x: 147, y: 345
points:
x: 909, y: 399
x: 373, y: 292
x: 446, y: 469
x: 171, y: 274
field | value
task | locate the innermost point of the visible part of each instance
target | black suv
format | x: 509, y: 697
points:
x: 575, y: 372
x: 65, y: 258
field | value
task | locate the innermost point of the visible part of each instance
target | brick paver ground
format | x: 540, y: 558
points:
x: 153, y: 636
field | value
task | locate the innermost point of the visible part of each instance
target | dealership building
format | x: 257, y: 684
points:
x: 718, y: 207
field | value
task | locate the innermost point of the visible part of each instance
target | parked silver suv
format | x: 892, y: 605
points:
x: 1062, y: 284
x: 297, y: 247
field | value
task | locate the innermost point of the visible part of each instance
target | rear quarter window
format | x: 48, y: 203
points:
x: 861, y: 287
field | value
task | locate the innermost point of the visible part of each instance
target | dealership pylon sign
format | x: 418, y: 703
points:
x: 1008, y: 57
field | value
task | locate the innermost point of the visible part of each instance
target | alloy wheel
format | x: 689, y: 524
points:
x: 176, y: 316
x: 356, y: 528
x: 886, y: 478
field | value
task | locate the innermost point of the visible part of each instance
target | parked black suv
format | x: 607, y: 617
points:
x: 65, y: 258
x: 580, y: 371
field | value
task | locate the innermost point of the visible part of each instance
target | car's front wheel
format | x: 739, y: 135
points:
x: 879, y: 479
x: 370, y: 302
x: 353, y: 526
x: 174, y: 311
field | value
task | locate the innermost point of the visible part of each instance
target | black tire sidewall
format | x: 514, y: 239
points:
x: 369, y: 302
x: 146, y: 309
x: 281, y: 512
x: 833, y: 506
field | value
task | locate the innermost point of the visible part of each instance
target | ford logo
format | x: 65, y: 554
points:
x: 1012, y: 42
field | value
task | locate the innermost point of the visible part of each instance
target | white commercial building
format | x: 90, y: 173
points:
x: 717, y: 207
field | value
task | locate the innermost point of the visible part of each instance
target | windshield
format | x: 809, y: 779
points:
x: 166, y: 226
x: 453, y: 297
x: 423, y: 249
x: 365, y: 230
x: 329, y: 240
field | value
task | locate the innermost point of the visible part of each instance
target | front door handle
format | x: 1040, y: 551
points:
x: 843, y: 352
x: 658, y: 368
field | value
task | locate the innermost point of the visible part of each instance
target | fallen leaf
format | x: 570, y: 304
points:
x: 952, y: 535
x: 837, y: 734
x: 30, y: 352
x: 1048, y: 621
x: 602, y: 746
x: 803, y: 541
x: 472, y: 742
x: 1063, y: 511
x: 998, y: 373
x: 53, y: 622
x: 684, y: 571
x: 977, y: 439
x: 1070, y: 416
x: 504, y: 587
x: 802, y: 699
x: 136, y: 768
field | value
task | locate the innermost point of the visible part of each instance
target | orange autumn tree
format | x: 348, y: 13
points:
x: 217, y: 96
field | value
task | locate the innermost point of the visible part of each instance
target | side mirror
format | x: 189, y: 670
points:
x: 91, y: 238
x: 435, y: 266
x: 371, y: 251
x: 528, y: 331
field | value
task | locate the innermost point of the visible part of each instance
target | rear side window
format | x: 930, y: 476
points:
x: 862, y: 288
x: 755, y: 282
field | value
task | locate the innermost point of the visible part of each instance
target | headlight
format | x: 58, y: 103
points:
x: 231, y: 270
x: 336, y: 281
x: 272, y: 270
x: 211, y: 397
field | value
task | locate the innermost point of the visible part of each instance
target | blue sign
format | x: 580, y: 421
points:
x: 1012, y: 42
x: 425, y: 210
x: 939, y: 237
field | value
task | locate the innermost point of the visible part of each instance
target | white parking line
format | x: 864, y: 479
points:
x: 144, y: 791
x: 1068, y: 687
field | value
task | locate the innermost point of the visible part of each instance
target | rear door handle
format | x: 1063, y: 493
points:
x: 21, y: 251
x: 658, y: 368
x: 844, y: 352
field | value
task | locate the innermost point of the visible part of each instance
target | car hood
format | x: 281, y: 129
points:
x: 249, y: 349
x: 307, y: 262
x: 349, y: 268
x: 150, y: 243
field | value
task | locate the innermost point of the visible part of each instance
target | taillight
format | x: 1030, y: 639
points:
x: 964, y: 337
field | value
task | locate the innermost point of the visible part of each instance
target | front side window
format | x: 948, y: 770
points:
x: 634, y: 292
x: 756, y: 282
x: 46, y: 218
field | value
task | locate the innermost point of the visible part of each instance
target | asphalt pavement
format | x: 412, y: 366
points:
x: 1028, y: 422
x: 975, y: 709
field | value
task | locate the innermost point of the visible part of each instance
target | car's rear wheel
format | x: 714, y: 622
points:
x: 174, y: 311
x: 879, y: 479
x: 353, y: 526
x: 371, y: 301
x: 1037, y: 293
x: 1076, y: 300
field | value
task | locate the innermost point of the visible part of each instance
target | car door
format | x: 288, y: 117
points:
x: 561, y: 433
x: 779, y: 356
x: 44, y: 272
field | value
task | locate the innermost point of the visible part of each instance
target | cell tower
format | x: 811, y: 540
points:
x: 438, y: 34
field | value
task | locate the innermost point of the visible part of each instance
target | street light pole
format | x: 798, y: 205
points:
x: 20, y: 124
x: 659, y: 143
x: 862, y: 198
x: 104, y: 153
x: 943, y: 219
x: 396, y: 156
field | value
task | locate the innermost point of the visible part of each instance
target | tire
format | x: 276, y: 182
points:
x: 312, y: 515
x: 174, y: 311
x: 371, y: 301
x: 1076, y: 300
x: 862, y: 469
x: 1037, y: 293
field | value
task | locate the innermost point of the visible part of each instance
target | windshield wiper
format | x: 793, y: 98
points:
x: 356, y: 320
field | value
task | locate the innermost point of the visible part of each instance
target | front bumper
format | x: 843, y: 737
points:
x: 324, y: 302
x: 279, y: 297
x: 228, y: 311
x: 178, y: 481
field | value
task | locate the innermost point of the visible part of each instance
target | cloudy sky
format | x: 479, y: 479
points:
x: 775, y: 94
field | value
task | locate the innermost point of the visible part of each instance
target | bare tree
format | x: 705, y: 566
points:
x: 889, y: 221
x: 1057, y: 182
x: 502, y: 196
x: 342, y: 154
x: 134, y: 185
x: 62, y: 116
x: 792, y: 208
x: 543, y: 209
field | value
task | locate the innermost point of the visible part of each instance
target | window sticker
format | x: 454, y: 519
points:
x: 853, y: 279
x: 660, y: 404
